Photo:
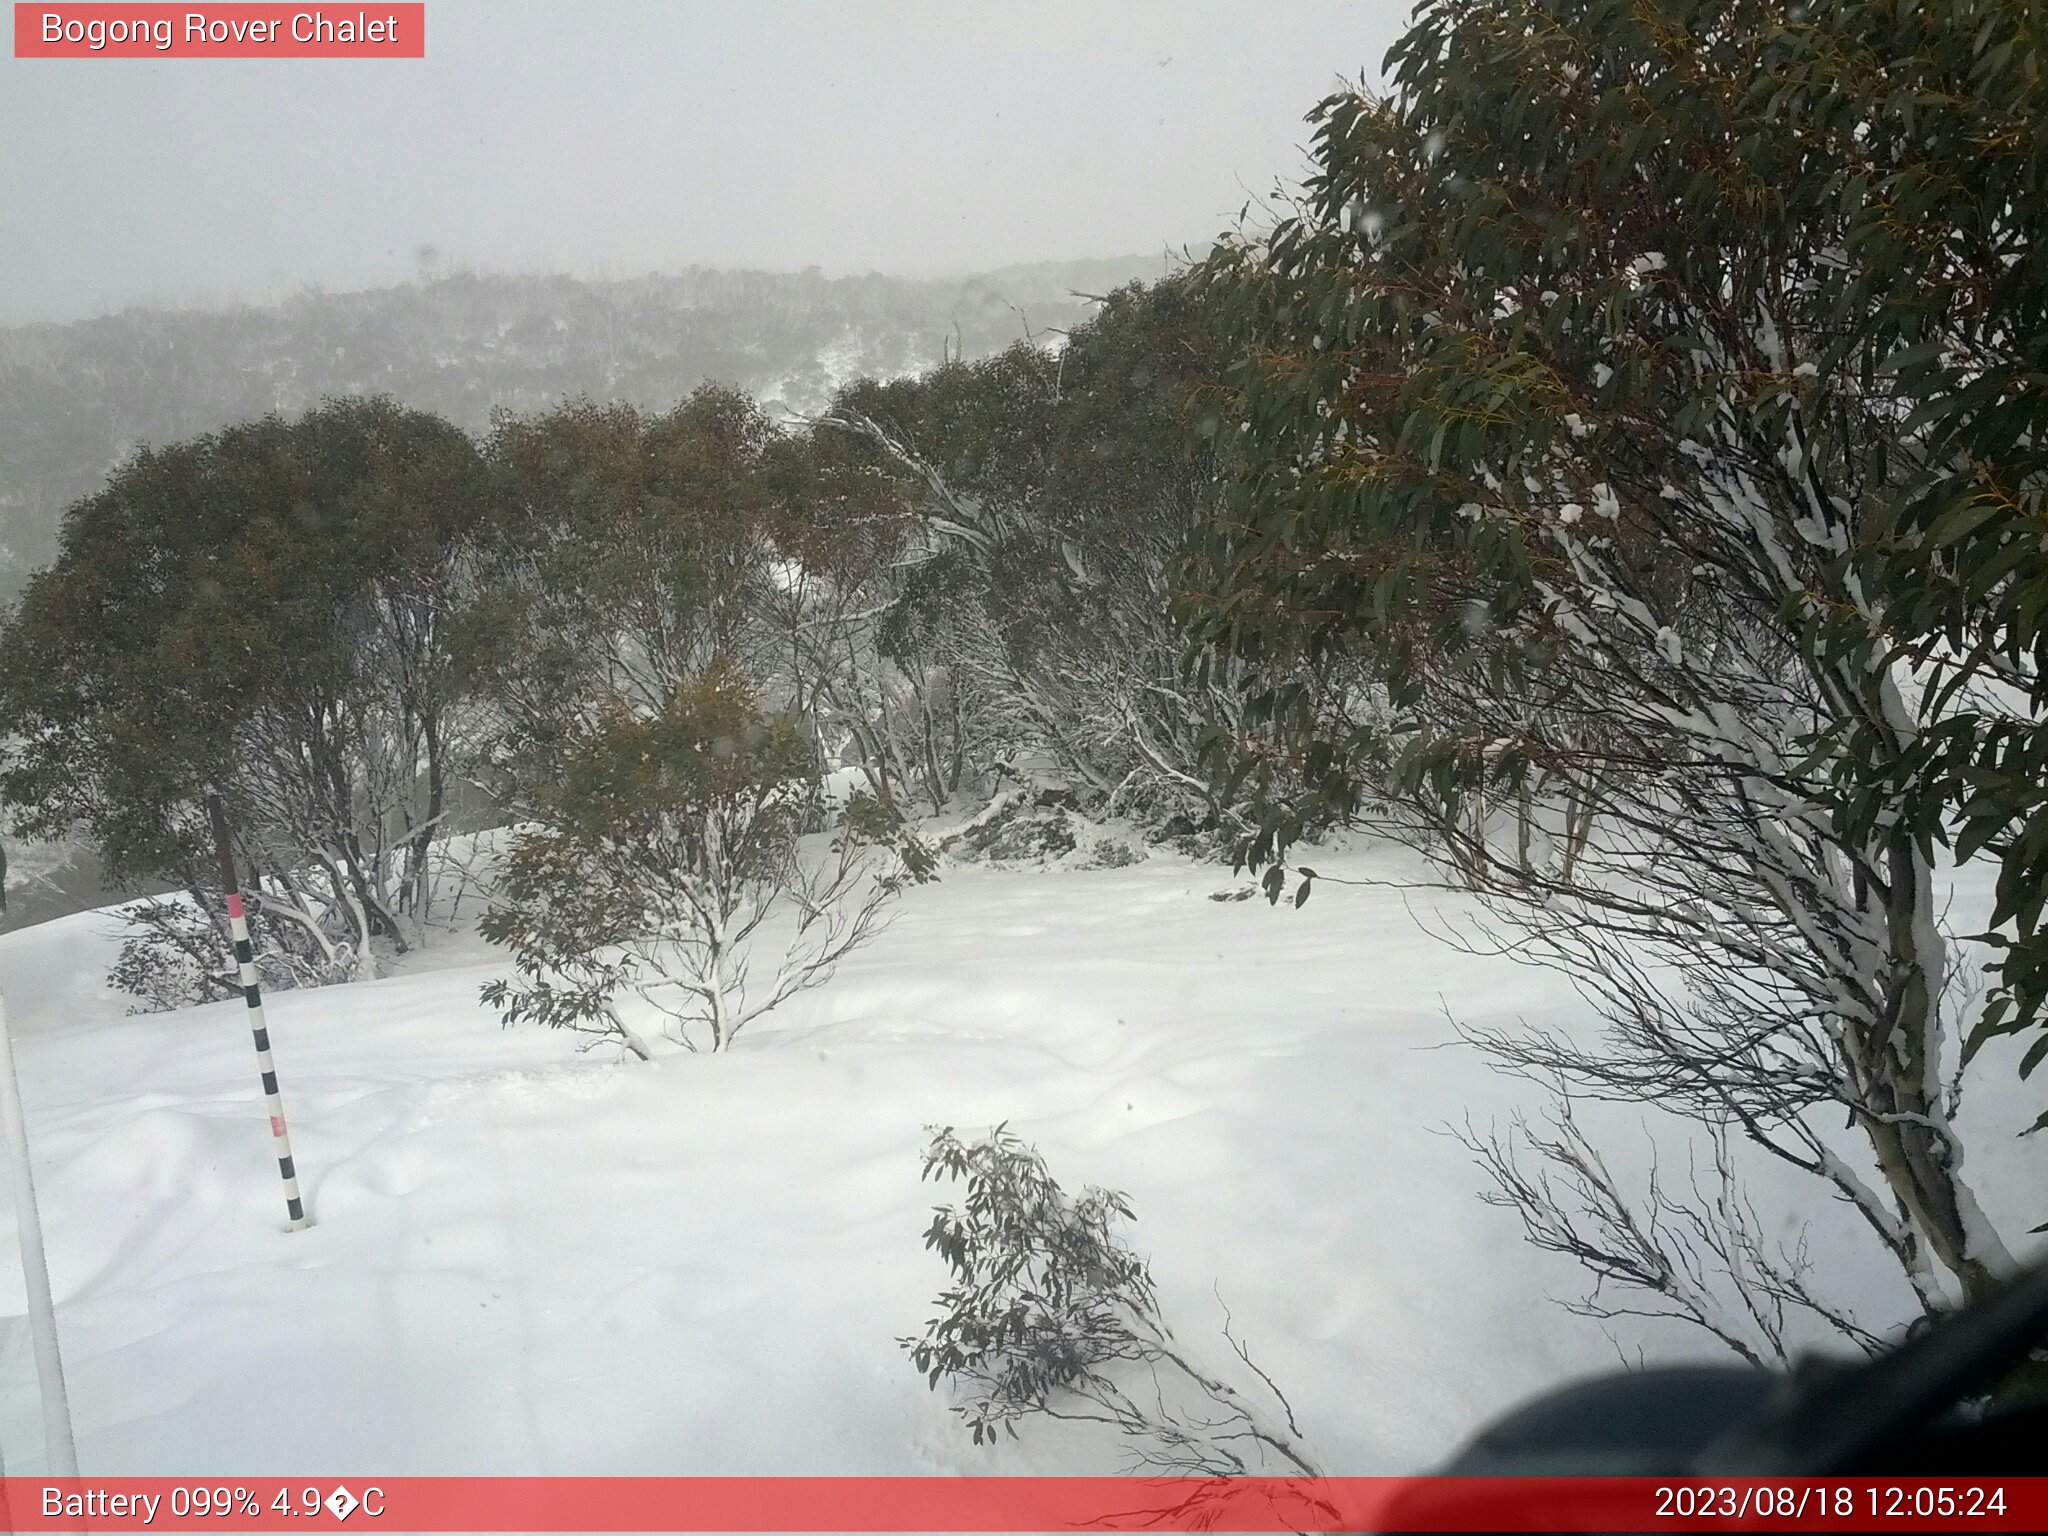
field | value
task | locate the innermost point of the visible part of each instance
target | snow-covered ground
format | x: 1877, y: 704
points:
x: 538, y: 1261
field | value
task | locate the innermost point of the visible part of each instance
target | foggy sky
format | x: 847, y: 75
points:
x: 612, y: 138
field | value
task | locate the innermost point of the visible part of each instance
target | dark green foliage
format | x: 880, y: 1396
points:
x: 1045, y: 1293
x: 1939, y: 173
x: 259, y: 611
x: 1056, y: 488
x: 207, y: 582
x: 1580, y: 240
x: 619, y: 565
x: 642, y: 825
x: 659, y: 845
x: 627, y: 655
x: 1050, y: 1312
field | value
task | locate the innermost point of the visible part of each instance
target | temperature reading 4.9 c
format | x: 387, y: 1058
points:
x: 337, y: 1501
x: 222, y: 1501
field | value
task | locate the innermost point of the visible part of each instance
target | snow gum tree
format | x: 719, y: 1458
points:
x: 1584, y: 462
x: 625, y: 554
x: 1051, y: 490
x: 863, y: 613
x: 261, y: 612
x: 651, y: 734
x: 1936, y: 164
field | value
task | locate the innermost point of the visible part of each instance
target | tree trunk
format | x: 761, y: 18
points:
x: 1908, y: 1123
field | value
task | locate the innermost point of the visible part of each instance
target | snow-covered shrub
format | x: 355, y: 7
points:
x: 857, y: 623
x: 1041, y: 821
x: 1047, y: 496
x: 1110, y: 853
x: 1195, y: 837
x: 178, y: 952
x: 1050, y: 1312
x: 45, y: 878
x: 657, y: 857
x: 1019, y: 826
x: 173, y: 960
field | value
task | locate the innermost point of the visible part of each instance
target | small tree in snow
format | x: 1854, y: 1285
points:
x: 1050, y: 1312
x: 662, y: 850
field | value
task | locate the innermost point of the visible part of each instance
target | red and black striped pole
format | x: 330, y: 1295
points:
x: 252, y: 992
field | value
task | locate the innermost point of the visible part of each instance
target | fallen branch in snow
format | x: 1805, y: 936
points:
x: 1050, y: 1312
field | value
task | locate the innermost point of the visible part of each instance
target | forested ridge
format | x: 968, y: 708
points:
x: 76, y: 398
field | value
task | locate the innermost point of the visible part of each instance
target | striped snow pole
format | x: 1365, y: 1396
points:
x: 252, y: 992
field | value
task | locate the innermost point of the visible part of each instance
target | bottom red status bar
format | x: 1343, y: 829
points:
x: 931, y: 1504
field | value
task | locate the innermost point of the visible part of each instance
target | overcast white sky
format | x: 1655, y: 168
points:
x: 615, y: 136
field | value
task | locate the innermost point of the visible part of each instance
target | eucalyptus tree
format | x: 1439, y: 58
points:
x: 1053, y: 489
x: 262, y: 612
x: 1633, y: 417
x: 671, y: 867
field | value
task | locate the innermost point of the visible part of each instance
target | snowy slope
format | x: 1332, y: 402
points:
x: 531, y: 1260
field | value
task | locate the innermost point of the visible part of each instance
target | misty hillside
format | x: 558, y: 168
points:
x: 75, y: 399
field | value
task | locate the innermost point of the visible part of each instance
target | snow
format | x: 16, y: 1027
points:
x: 529, y: 1260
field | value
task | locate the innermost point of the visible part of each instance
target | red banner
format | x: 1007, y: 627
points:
x: 925, y: 1504
x: 374, y: 30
